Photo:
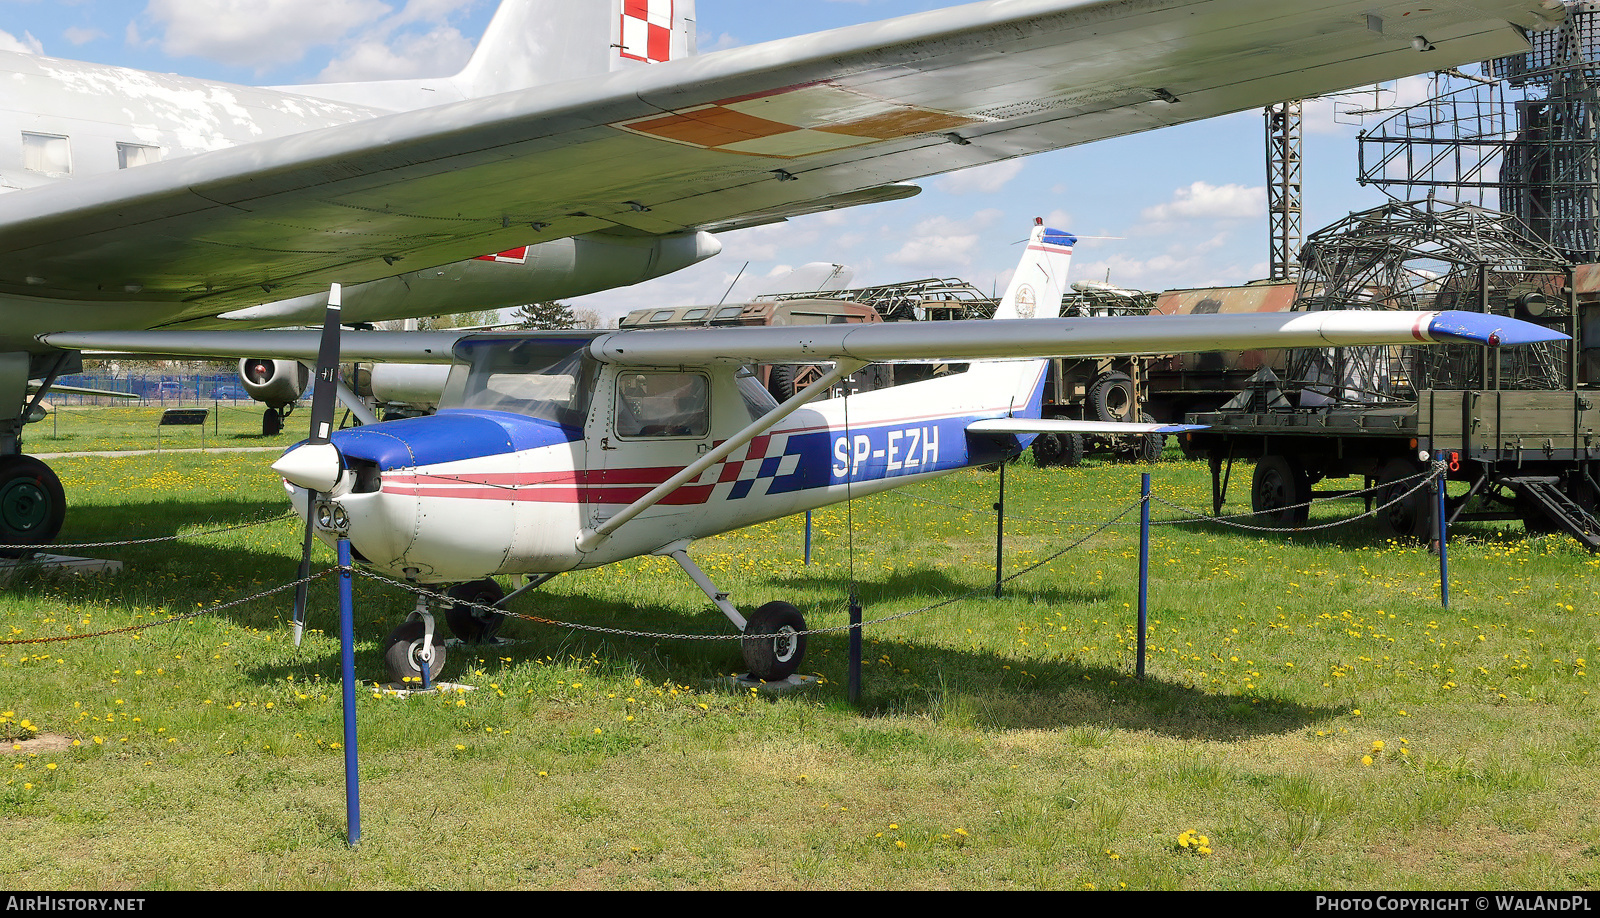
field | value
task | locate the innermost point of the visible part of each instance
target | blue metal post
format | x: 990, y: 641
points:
x: 1444, y: 553
x: 854, y: 685
x: 1144, y: 564
x: 347, y: 641
x: 808, y: 538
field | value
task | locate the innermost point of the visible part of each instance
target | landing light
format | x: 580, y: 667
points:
x: 332, y: 517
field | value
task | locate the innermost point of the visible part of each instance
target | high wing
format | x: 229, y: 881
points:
x: 882, y: 342
x: 729, y: 139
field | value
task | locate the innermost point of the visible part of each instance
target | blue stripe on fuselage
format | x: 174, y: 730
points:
x: 834, y: 456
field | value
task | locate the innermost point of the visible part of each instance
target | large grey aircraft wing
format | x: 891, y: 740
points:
x: 726, y: 139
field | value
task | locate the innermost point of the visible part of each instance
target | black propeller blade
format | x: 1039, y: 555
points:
x: 318, y: 465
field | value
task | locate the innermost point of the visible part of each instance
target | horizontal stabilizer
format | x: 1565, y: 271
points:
x: 1064, y: 425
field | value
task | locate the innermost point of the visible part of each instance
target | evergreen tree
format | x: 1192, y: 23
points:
x: 544, y: 315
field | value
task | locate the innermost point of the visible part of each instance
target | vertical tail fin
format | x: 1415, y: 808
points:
x: 535, y: 42
x: 1040, y: 280
x: 1034, y: 293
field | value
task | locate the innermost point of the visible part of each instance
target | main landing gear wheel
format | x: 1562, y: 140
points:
x: 474, y: 626
x: 32, y: 503
x: 402, y: 654
x: 772, y: 647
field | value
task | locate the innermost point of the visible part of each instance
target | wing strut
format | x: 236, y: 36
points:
x: 590, y: 539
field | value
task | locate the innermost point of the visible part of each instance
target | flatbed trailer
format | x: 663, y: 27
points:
x: 1522, y: 439
x: 1529, y: 456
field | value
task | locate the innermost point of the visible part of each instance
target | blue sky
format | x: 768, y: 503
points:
x: 1187, y: 203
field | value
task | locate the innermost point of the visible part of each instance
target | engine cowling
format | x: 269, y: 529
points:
x: 275, y: 382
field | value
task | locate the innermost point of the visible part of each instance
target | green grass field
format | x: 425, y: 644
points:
x: 76, y: 428
x: 1309, y: 709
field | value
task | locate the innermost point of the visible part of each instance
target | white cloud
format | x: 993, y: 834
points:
x: 985, y: 179
x: 438, y: 52
x: 938, y: 245
x: 1214, y: 260
x: 1201, y: 200
x: 27, y: 44
x: 81, y: 36
x: 257, y: 33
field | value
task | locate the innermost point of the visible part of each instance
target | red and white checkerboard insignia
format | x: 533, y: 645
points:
x: 647, y: 30
x: 793, y: 121
x: 516, y: 256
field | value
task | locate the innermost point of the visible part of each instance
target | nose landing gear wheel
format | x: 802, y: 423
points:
x: 772, y: 647
x: 402, y: 654
x: 470, y: 625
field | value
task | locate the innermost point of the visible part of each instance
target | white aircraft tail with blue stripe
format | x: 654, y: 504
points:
x: 1040, y: 280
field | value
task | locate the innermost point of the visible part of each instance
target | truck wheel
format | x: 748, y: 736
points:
x: 1277, y: 487
x: 1065, y: 449
x: 1047, y: 450
x: 1112, y: 398
x: 1410, y: 518
x: 1151, y: 445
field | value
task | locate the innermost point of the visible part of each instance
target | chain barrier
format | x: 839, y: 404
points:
x: 175, y: 618
x: 623, y: 632
x: 282, y: 515
x: 1421, y: 480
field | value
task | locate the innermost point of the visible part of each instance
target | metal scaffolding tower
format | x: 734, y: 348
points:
x: 1283, y: 189
x: 1525, y: 138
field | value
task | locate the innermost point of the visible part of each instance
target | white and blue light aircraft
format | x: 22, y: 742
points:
x: 560, y: 451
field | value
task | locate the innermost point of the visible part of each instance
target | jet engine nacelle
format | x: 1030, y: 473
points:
x: 276, y: 382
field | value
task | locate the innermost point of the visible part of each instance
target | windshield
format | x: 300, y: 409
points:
x: 550, y: 377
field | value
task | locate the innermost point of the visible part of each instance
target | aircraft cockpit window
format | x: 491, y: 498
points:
x: 697, y: 313
x: 663, y: 404
x: 548, y: 378
x: 661, y: 316
x: 729, y: 312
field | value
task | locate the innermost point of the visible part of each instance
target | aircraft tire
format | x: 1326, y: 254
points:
x: 1278, y: 484
x: 33, y: 504
x: 474, y: 626
x: 271, y: 423
x: 772, y: 650
x: 401, y: 654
